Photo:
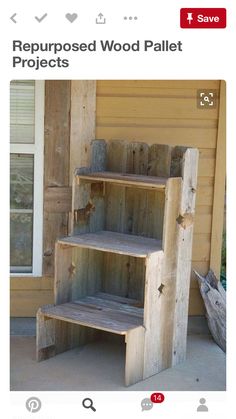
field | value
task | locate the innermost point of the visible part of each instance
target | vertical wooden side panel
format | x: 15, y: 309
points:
x: 152, y: 315
x: 45, y: 337
x: 167, y: 296
x: 64, y: 271
x: 82, y: 125
x: 82, y: 132
x: 134, y: 355
x: 184, y: 255
x: 219, y: 186
x: 56, y: 163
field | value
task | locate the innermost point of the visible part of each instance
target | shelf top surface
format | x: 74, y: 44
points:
x: 143, y: 181
x: 100, y: 311
x: 109, y: 241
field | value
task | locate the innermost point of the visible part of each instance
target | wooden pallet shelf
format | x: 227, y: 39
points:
x: 125, y: 267
x: 109, y: 241
x: 100, y: 311
x: 125, y: 179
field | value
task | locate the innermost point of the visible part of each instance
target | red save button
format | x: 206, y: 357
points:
x: 202, y: 18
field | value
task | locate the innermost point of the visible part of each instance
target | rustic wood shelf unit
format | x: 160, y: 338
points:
x: 125, y: 267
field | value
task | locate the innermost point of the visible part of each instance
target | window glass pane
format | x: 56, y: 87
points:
x: 21, y: 208
x: 21, y: 181
x: 21, y: 242
x: 22, y: 111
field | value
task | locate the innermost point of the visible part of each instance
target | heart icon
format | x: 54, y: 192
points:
x: 71, y: 17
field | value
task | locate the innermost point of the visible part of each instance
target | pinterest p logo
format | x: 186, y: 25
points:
x: 33, y: 404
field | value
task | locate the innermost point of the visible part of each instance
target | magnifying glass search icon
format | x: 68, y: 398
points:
x: 88, y: 404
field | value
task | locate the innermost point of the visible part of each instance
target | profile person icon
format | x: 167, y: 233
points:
x: 202, y: 407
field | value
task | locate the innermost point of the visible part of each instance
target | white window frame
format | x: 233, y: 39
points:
x: 37, y: 150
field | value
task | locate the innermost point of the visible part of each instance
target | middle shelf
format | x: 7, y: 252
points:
x: 109, y: 241
x: 125, y: 179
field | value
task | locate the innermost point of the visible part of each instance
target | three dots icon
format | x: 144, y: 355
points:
x: 130, y: 18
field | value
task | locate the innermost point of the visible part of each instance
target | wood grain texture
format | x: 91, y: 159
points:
x: 179, y: 130
x: 82, y: 123
x: 134, y: 358
x: 57, y: 199
x: 56, y: 167
x: 184, y: 256
x: 98, y: 312
x: 108, y: 241
x: 167, y: 299
x: 153, y: 344
x: 125, y: 179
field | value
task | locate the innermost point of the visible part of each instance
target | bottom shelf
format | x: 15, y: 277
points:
x: 100, y: 311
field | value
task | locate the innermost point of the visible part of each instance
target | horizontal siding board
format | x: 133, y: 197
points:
x: 166, y: 84
x: 25, y: 303
x: 157, y: 92
x: 156, y: 122
x: 31, y: 283
x: 199, y: 138
x: 178, y: 108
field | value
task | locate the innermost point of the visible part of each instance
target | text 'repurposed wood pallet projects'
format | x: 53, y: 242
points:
x: 125, y: 267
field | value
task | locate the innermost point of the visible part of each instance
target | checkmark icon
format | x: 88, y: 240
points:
x: 40, y: 19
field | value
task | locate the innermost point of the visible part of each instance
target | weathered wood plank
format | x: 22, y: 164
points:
x: 167, y: 300
x: 64, y: 271
x: 97, y: 313
x: 82, y: 123
x: 214, y: 297
x: 184, y: 255
x: 153, y: 346
x: 137, y: 158
x: 159, y: 160
x: 45, y: 336
x: 126, y: 179
x: 56, y: 163
x: 134, y: 357
x: 114, y: 242
x: 57, y: 199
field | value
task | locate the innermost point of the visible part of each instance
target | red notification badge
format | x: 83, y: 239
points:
x: 157, y: 397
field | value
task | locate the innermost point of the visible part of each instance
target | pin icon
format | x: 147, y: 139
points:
x: 190, y: 18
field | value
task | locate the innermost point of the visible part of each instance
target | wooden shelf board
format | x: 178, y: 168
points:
x: 126, y: 179
x: 100, y: 311
x: 109, y: 241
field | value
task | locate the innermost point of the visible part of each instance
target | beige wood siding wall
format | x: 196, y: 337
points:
x: 147, y: 111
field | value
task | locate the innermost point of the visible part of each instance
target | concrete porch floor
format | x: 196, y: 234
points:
x: 100, y: 366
